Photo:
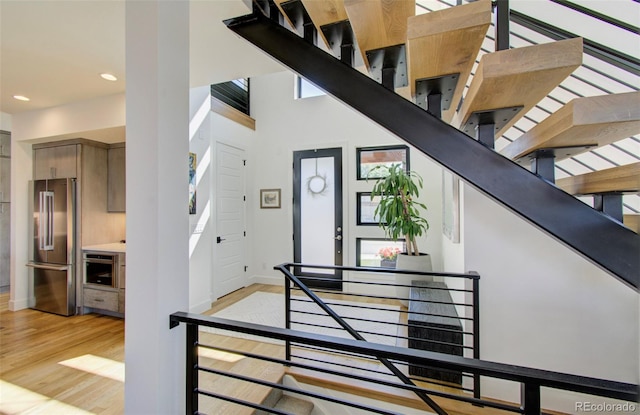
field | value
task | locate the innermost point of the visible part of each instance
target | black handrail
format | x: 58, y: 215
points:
x: 596, y: 15
x: 532, y: 379
x: 284, y: 268
x: 614, y: 247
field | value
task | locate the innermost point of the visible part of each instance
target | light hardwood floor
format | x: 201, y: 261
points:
x: 67, y: 365
x: 75, y: 365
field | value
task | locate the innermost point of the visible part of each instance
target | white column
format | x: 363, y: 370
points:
x: 157, y: 69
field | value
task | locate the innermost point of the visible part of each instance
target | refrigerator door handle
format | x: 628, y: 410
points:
x: 47, y: 266
x: 45, y: 224
x: 41, y: 220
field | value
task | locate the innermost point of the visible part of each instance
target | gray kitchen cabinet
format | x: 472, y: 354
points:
x: 107, y: 299
x: 102, y: 299
x: 5, y: 223
x: 5, y: 144
x: 5, y: 209
x: 122, y: 283
x: 116, y: 183
x: 87, y: 161
x: 5, y: 167
x: 55, y: 162
x: 5, y: 179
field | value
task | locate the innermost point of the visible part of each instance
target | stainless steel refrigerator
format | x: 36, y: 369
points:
x: 54, y: 222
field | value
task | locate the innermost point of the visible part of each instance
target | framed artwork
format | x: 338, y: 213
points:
x: 269, y: 198
x: 451, y: 206
x: 369, y: 158
x: 192, y: 183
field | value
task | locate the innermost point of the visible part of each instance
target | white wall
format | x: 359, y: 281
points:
x: 200, y: 225
x: 5, y: 121
x: 285, y: 125
x: 544, y: 306
x: 104, y: 113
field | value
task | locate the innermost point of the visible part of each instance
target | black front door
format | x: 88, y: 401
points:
x: 317, y: 215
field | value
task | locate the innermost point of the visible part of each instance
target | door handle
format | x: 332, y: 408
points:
x: 48, y: 267
x: 219, y: 239
x: 338, y: 238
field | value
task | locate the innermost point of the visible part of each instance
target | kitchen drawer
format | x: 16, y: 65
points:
x: 104, y: 300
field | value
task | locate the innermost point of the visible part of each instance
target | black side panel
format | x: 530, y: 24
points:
x: 595, y: 236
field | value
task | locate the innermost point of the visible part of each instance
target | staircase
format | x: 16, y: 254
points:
x: 432, y: 54
x: 234, y: 390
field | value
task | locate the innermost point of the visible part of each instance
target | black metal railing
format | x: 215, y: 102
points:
x: 198, y: 392
x: 402, y: 309
x: 235, y: 93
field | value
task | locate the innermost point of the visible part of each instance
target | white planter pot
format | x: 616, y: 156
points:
x: 421, y: 263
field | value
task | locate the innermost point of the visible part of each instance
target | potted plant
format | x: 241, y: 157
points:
x: 388, y: 256
x: 398, y: 213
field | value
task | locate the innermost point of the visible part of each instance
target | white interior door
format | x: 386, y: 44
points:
x: 230, y: 271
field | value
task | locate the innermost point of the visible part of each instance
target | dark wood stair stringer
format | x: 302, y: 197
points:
x: 613, y: 247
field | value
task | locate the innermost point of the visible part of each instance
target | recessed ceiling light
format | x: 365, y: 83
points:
x: 108, y: 77
x: 21, y: 98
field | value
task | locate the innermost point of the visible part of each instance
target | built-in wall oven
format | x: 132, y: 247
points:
x: 101, y: 269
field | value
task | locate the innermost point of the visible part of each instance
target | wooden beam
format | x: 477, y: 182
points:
x: 519, y: 77
x: 632, y: 221
x: 590, y: 121
x: 231, y: 113
x: 379, y: 23
x: 446, y: 42
x: 623, y: 179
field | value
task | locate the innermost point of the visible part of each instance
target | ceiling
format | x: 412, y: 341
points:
x: 54, y: 51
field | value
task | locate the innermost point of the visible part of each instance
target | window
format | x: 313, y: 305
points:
x: 366, y: 208
x: 371, y: 157
x: 305, y: 89
x: 378, y: 252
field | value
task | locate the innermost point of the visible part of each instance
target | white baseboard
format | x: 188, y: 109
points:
x: 201, y: 307
x: 263, y: 279
x: 15, y: 305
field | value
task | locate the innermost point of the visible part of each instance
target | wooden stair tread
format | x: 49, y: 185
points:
x: 519, y: 77
x: 632, y: 221
x: 590, y: 121
x: 446, y: 42
x: 237, y: 364
x: 294, y: 405
x: 379, y: 24
x: 247, y: 391
x: 391, y: 395
x: 624, y: 179
x: 326, y: 11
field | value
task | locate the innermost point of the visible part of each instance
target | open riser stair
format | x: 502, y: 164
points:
x: 505, y: 86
